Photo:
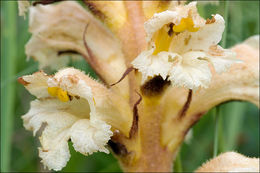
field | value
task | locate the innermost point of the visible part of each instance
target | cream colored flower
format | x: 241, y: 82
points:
x: 230, y: 162
x: 75, y: 107
x: 181, y: 47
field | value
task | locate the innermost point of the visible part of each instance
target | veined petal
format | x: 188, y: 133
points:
x: 207, y: 36
x: 151, y: 65
x: 221, y: 59
x: 36, y: 84
x: 191, y: 72
x: 57, y: 34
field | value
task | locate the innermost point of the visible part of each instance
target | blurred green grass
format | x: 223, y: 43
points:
x: 239, y: 120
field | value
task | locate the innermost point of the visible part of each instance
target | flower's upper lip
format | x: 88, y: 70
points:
x: 166, y: 17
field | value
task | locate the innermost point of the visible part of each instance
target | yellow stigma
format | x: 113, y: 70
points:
x: 162, y: 41
x: 53, y: 91
x: 185, y: 24
x: 59, y: 93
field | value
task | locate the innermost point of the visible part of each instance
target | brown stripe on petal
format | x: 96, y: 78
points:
x: 195, y: 118
x: 92, y: 7
x: 186, y: 106
x: 22, y: 81
x: 45, y: 2
x: 128, y: 70
x: 134, y: 127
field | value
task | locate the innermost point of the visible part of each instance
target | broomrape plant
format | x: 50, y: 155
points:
x: 160, y: 69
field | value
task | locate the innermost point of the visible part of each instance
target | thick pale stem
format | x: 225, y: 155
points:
x: 149, y: 155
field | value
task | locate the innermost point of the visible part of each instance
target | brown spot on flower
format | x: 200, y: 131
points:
x: 45, y: 150
x: 118, y: 148
x: 70, y: 97
x: 22, y: 81
x: 210, y: 21
x: 155, y: 86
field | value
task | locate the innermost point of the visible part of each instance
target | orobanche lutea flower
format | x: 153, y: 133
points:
x: 73, y: 107
x: 182, y: 45
x: 144, y: 118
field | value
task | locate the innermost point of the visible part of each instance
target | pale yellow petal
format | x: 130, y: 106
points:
x: 230, y: 162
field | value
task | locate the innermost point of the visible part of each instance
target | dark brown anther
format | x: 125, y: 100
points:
x: 134, y: 127
x: 155, y: 86
x: 70, y: 97
x: 118, y: 148
x: 45, y: 2
x: 77, y: 97
x: 170, y: 32
x: 186, y: 106
x: 128, y: 70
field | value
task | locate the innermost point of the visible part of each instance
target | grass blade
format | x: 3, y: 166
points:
x: 8, y: 67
